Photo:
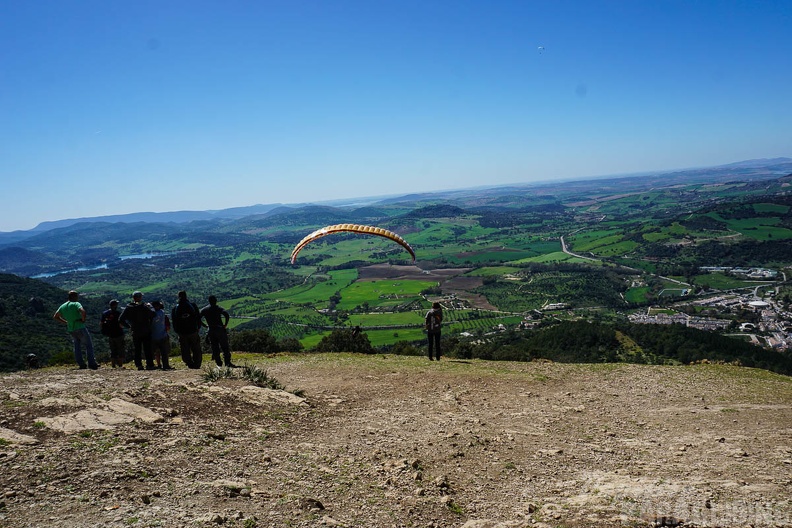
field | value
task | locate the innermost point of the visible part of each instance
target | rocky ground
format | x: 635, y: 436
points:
x: 387, y: 441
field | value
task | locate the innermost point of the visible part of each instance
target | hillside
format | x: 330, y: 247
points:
x: 26, y: 325
x: 383, y: 441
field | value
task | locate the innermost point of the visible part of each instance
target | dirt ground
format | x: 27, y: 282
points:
x: 451, y: 279
x: 388, y: 441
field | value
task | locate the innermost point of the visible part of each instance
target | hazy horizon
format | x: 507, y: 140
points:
x: 366, y: 200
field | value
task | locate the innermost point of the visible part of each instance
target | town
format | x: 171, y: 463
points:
x: 754, y: 314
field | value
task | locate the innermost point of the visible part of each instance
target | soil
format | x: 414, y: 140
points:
x: 452, y: 280
x: 390, y: 441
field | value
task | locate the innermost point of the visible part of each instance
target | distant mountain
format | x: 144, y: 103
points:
x: 762, y: 162
x: 515, y: 195
x: 177, y: 217
x: 436, y: 211
x: 25, y: 261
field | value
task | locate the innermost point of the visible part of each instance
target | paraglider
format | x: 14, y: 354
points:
x: 540, y: 49
x: 351, y: 228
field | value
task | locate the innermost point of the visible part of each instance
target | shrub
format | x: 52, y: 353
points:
x: 345, y: 340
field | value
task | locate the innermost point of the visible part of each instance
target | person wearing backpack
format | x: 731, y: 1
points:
x: 138, y: 317
x: 112, y: 329
x: 186, y: 321
x: 433, y: 322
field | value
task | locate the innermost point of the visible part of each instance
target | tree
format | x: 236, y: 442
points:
x: 259, y: 341
x: 344, y: 340
x: 290, y: 344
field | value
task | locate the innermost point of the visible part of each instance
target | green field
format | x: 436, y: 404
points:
x: 382, y: 293
x: 511, y: 243
x: 317, y: 292
x: 493, y: 271
x: 771, y: 208
x: 673, y: 292
x: 637, y: 295
x: 591, y: 240
x: 558, y: 256
x: 721, y: 281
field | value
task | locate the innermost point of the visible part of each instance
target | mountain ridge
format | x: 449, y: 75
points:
x: 774, y: 167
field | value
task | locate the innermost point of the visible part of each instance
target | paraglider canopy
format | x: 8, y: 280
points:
x: 351, y: 228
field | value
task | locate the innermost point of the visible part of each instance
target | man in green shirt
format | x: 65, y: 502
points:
x: 73, y: 315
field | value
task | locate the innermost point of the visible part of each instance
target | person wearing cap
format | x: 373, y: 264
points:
x: 138, y: 317
x: 73, y: 315
x: 112, y: 329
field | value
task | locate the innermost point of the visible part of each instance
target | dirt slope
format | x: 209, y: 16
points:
x: 386, y: 441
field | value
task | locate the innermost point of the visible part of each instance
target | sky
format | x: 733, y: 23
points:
x: 112, y: 106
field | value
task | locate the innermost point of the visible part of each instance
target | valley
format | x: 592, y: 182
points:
x: 500, y: 260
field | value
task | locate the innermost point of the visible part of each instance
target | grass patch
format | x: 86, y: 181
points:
x: 721, y: 281
x: 252, y: 373
x: 260, y: 378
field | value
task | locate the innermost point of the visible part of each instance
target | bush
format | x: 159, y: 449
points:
x: 345, y: 340
x: 403, y: 348
x: 258, y: 341
x: 290, y: 344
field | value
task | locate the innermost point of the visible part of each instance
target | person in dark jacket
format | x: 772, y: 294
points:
x: 217, y: 320
x: 138, y: 317
x: 433, y: 323
x: 112, y: 329
x: 186, y: 321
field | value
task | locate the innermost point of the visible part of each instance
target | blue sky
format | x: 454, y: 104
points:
x: 112, y: 107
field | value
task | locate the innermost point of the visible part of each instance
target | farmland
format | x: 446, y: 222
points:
x: 491, y: 259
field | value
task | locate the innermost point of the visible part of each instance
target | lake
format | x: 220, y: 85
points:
x: 99, y: 266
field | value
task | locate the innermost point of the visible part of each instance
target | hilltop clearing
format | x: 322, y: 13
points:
x: 385, y: 441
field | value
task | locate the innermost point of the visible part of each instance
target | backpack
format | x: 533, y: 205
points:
x: 433, y: 321
x: 109, y: 325
x: 185, y: 318
x: 138, y: 317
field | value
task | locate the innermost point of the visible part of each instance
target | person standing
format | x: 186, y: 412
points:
x: 217, y: 320
x: 112, y: 329
x: 138, y: 317
x: 186, y: 318
x: 160, y: 338
x: 433, y: 323
x: 73, y: 315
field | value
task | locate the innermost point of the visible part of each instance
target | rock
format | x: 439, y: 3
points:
x: 116, y: 412
x: 12, y: 437
x: 308, y: 503
x: 441, y: 482
x: 487, y: 523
